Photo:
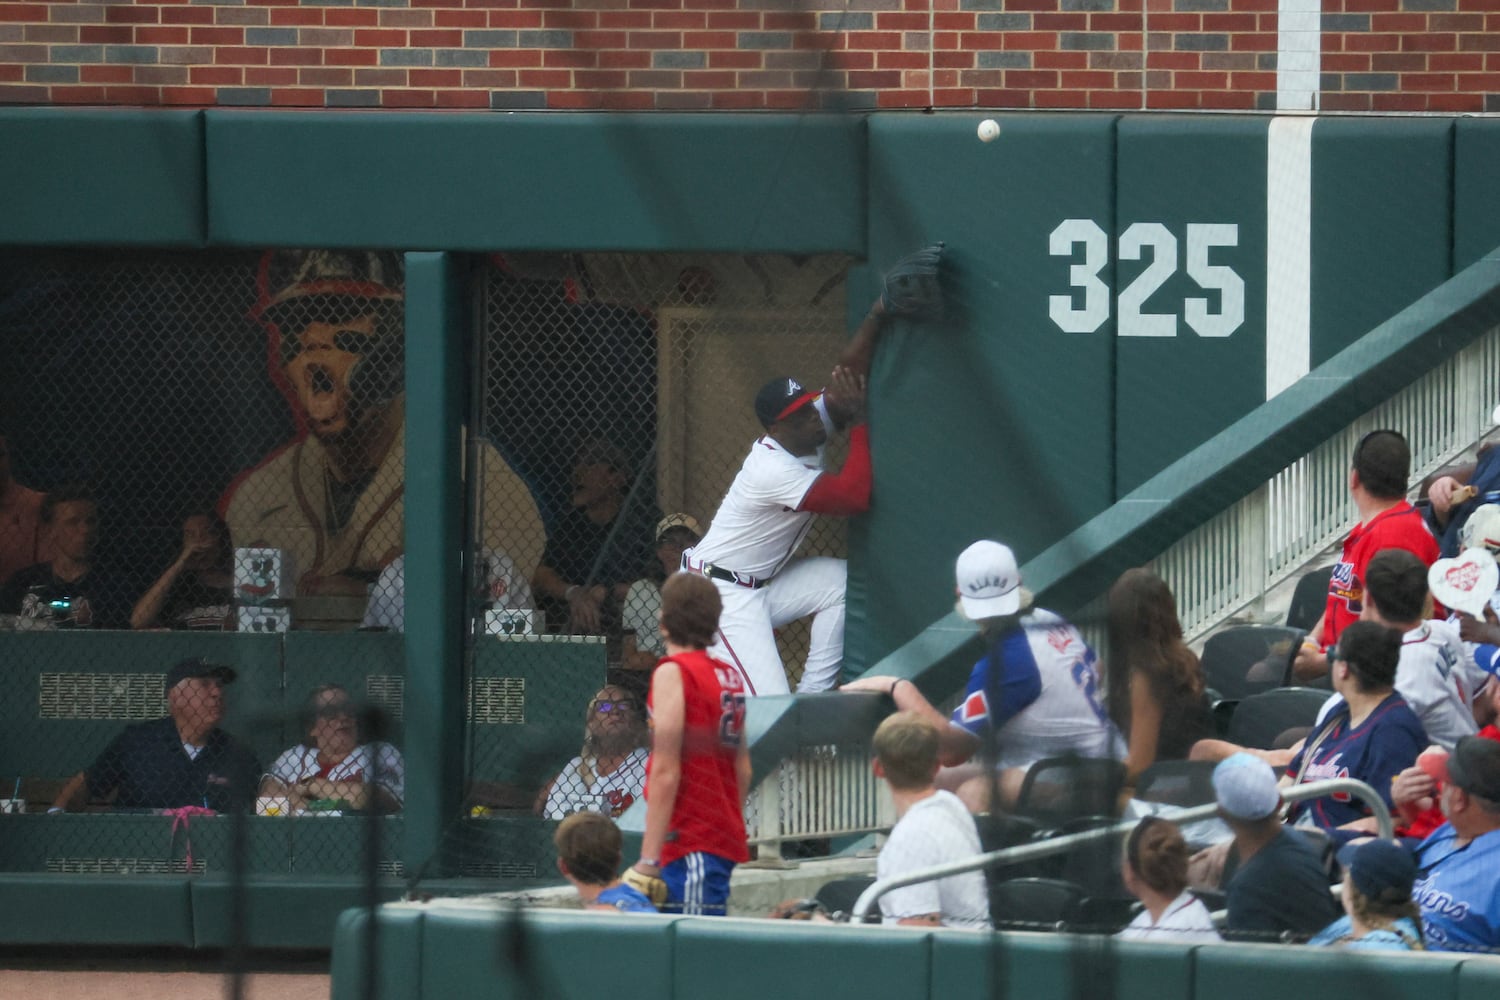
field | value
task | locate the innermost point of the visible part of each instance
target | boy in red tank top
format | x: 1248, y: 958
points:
x: 699, y: 771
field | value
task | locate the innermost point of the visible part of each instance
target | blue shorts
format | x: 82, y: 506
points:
x: 698, y: 884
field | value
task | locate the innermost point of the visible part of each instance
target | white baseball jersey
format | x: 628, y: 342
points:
x: 610, y: 794
x: 300, y: 763
x: 758, y: 526
x: 1057, y: 713
x: 1433, y: 679
x: 935, y: 831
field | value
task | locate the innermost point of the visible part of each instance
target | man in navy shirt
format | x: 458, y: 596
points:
x: 1460, y: 861
x: 184, y: 759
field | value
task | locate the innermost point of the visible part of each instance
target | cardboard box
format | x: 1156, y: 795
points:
x: 265, y: 619
x: 510, y: 622
x: 263, y: 576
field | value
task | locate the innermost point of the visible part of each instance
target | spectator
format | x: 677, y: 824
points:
x: 1459, y: 862
x: 1379, y: 914
x: 196, y: 591
x: 69, y: 591
x: 932, y: 828
x: 1417, y: 791
x: 699, y: 773
x: 1155, y: 870
x: 1157, y: 697
x: 1451, y: 506
x: 589, y: 853
x: 609, y: 773
x: 332, y: 498
x: 1035, y: 694
x: 1377, y: 482
x: 1433, y: 675
x: 337, y: 763
x: 22, y: 542
x: 1372, y: 736
x: 642, y: 637
x: 1280, y: 886
x: 599, y: 547
x: 184, y: 759
x: 504, y: 587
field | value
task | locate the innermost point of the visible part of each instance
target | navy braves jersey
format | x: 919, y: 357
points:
x: 1379, y: 748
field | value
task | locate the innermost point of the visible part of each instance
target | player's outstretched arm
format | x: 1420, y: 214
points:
x: 955, y: 745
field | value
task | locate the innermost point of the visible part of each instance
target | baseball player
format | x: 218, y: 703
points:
x: 699, y: 771
x: 749, y: 548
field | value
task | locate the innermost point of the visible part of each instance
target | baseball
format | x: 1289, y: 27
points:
x: 988, y: 130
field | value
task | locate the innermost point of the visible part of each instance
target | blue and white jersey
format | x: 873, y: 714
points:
x: 1039, y: 690
x: 1383, y: 745
x: 1456, y: 891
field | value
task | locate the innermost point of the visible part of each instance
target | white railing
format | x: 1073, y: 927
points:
x: 1225, y: 567
x: 821, y: 792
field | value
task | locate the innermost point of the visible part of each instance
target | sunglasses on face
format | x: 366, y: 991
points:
x: 334, y: 709
x: 607, y: 707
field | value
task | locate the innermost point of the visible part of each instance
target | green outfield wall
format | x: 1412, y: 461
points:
x: 1123, y: 288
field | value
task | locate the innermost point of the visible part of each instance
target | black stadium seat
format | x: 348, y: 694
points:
x: 1246, y: 659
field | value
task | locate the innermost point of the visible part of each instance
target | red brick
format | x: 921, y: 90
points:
x: 902, y: 99
x: 412, y: 19
x: 1031, y: 79
x: 351, y: 17
x: 380, y: 77
x: 270, y: 76
x: 296, y: 56
x: 1002, y: 97
x: 1172, y: 100
x: 1407, y: 62
x: 148, y: 96
x: 515, y: 19
x: 850, y: 59
x: 62, y: 95
x: 1398, y: 22
x: 1071, y: 21
x: 297, y: 17
x: 217, y: 36
x: 1231, y: 23
x: 571, y: 20
x: 603, y: 79
x: 238, y: 55
x: 792, y: 20
x: 351, y: 57
x: 735, y: 60
x: 1036, y: 41
x: 683, y: 20
x: 188, y: 96
x: 1227, y: 100
x: 573, y: 100
x: 11, y: 73
x: 1455, y: 102
x: 117, y: 34
x: 1489, y: 42
x: 122, y: 13
x: 624, y: 19
x: 953, y: 97
x: 544, y: 79
x: 1172, y: 60
x: 1114, y: 100
x: 1095, y: 79
x: 901, y: 60
x: 407, y: 99
x: 1398, y: 102
x: 1345, y: 63
x: 873, y: 79
x: 661, y: 40
x: 1370, y: 7
x: 435, y: 78
x: 1261, y: 82
x: 1427, y: 81
x: 702, y: 40
x: 105, y: 74
x: 734, y: 20
x: 959, y: 59
x: 460, y: 18
x: 187, y: 15
x: 873, y: 39
x: 384, y: 38
x: 1114, y: 22
x: 1058, y: 98
x: 1456, y: 22
x: 515, y: 58
x: 738, y: 100
x: 157, y: 35
x: 216, y: 76
x: 683, y: 100
x: 899, y: 20
x: 1344, y: 102
x: 708, y: 79
x: 1371, y: 43
x: 1179, y: 23
x: 1455, y: 62
x: 461, y: 99
x: 1202, y: 80
x: 625, y: 59
x: 21, y: 12
x: 627, y: 100
x: 1061, y: 60
x: 570, y: 58
x: 429, y: 38
x: 1436, y: 42
x: 982, y: 77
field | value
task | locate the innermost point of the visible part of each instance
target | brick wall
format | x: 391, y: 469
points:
x: 1379, y: 55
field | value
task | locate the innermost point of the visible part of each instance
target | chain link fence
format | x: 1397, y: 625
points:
x: 207, y: 450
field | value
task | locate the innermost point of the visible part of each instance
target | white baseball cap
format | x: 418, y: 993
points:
x: 989, y: 584
x: 1482, y: 529
x: 1245, y: 787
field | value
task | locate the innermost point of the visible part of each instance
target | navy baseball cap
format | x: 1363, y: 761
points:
x: 197, y: 666
x: 779, y: 399
x: 1474, y: 766
x: 1382, y: 870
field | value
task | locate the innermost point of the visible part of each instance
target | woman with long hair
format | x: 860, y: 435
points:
x: 336, y: 763
x: 1379, y: 912
x: 1156, y: 694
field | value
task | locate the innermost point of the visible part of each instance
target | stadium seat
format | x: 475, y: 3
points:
x: 1261, y: 719
x: 1036, y: 904
x: 1247, y: 659
x: 1059, y: 789
x: 1309, y: 599
x: 1104, y: 914
x: 839, y: 895
x: 1183, y: 783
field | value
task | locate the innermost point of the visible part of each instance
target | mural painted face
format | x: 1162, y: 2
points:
x: 321, y: 372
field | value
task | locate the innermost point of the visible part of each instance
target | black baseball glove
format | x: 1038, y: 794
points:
x: 912, y: 290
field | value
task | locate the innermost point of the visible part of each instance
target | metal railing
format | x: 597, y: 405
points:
x: 1226, y: 566
x: 1063, y: 844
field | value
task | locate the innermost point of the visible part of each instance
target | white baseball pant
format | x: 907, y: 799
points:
x: 746, y: 638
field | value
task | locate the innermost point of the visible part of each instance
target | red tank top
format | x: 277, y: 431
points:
x: 708, y: 815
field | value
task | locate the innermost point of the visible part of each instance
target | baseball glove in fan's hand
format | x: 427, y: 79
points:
x: 911, y: 288
x: 650, y: 886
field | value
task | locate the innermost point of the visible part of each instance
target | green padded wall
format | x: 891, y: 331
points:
x: 1055, y: 967
x: 733, y: 183
x: 1257, y: 972
x: 1177, y: 385
x: 80, y: 177
x: 44, y: 909
x: 979, y: 427
x: 1382, y: 233
x: 1476, y: 196
x: 55, y: 747
x: 396, y: 933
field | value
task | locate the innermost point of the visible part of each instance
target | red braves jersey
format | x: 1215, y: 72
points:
x: 708, y: 815
x: 1400, y: 527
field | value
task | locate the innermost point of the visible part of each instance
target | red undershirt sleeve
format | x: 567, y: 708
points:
x: 848, y: 490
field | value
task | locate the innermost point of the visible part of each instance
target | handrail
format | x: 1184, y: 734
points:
x: 1060, y: 845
